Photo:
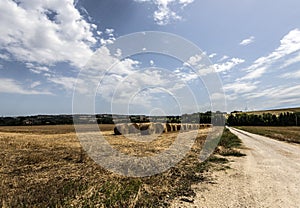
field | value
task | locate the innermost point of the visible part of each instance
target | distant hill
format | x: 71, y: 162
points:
x: 275, y: 111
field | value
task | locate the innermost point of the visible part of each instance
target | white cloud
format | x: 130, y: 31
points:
x: 247, y: 41
x: 292, y: 60
x: 67, y: 83
x: 119, y: 82
x: 277, y: 93
x: 291, y: 75
x: 240, y: 87
x: 35, y: 84
x: 164, y: 14
x: 289, y: 44
x: 45, y: 32
x: 13, y: 87
x: 212, y: 55
x: 223, y: 58
x: 255, y: 74
x: 195, y: 60
x: 36, y: 68
x: 4, y: 57
x: 109, y: 31
x: 228, y: 65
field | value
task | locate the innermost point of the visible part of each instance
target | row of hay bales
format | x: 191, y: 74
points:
x: 155, y: 128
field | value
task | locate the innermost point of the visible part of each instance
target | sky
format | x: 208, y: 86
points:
x: 67, y: 56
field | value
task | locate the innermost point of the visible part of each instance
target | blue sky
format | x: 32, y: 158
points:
x: 254, y: 46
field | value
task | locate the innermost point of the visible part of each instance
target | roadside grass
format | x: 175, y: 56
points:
x: 48, y: 169
x: 281, y: 133
x: 229, y: 145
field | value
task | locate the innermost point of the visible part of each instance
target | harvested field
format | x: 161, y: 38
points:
x: 282, y: 133
x: 44, y: 166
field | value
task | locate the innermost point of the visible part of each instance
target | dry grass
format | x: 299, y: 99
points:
x: 275, y: 111
x: 52, y: 129
x: 44, y: 166
x: 282, y: 133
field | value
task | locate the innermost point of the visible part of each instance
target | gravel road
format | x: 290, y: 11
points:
x: 269, y: 176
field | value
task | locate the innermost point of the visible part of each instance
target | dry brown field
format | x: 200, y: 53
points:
x: 282, y: 133
x: 44, y: 166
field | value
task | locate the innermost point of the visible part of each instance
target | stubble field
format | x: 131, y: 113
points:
x: 281, y: 133
x: 45, y: 166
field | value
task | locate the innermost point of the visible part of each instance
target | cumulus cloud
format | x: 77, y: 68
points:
x: 247, y: 41
x: 12, y: 86
x: 198, y: 62
x: 164, y: 14
x: 45, y: 32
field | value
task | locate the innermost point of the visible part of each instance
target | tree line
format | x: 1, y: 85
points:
x: 266, y: 119
x: 217, y: 118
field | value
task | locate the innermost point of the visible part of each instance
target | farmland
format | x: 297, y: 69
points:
x: 45, y: 166
x: 282, y: 133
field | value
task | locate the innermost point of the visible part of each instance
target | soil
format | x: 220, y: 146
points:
x: 269, y: 176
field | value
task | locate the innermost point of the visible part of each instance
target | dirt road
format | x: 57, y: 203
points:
x: 269, y: 176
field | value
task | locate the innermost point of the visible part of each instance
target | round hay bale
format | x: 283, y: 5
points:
x: 165, y: 128
x: 147, y: 128
x: 168, y: 127
x: 133, y: 128
x: 174, y: 127
x: 121, y: 129
x: 116, y: 130
x: 158, y: 128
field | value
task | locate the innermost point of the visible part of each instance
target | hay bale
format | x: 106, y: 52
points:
x: 146, y: 128
x: 116, y: 130
x: 174, y: 127
x: 168, y: 127
x: 158, y: 128
x: 133, y: 128
x: 184, y: 127
x: 121, y: 129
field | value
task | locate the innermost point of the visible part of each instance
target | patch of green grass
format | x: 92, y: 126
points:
x: 229, y: 140
x: 228, y: 145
